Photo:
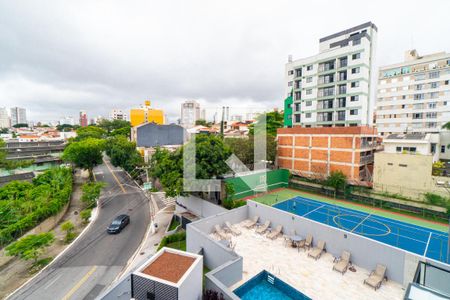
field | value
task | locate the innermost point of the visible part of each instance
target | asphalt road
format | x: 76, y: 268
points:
x: 97, y: 258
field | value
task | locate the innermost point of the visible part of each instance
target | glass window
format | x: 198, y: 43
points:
x: 309, y: 68
x: 356, y: 42
x: 297, y: 118
x: 355, y: 84
x: 398, y: 149
x: 442, y: 148
x: 308, y: 91
x: 291, y: 72
x: 354, y: 98
x: 308, y: 115
x: 434, y: 74
x: 355, y: 70
x: 419, y: 76
x: 434, y: 85
x: 308, y: 79
x: 353, y: 112
x: 356, y: 56
x: 290, y: 83
x: 308, y: 103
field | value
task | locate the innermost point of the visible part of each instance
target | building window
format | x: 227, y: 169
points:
x: 402, y: 165
x: 308, y: 79
x: 308, y: 115
x: 434, y: 85
x: 419, y: 96
x: 390, y: 164
x: 297, y: 106
x: 343, y: 62
x: 353, y: 112
x: 431, y: 115
x: 446, y: 82
x: 309, y: 68
x: 298, y: 95
x: 356, y: 56
x: 354, y: 98
x: 308, y: 103
x: 432, y: 105
x: 290, y: 83
x: 434, y: 95
x: 342, y: 88
x: 355, y: 84
x: 419, y: 87
x: 341, y: 115
x: 433, y: 148
x: 298, y: 72
x: 398, y: 149
x: 341, y: 102
x: 355, y: 70
x: 308, y: 91
x: 297, y: 118
x: 443, y: 149
x: 434, y: 74
x: 356, y: 42
x: 291, y: 72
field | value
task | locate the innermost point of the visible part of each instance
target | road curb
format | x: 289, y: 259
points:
x: 94, y: 215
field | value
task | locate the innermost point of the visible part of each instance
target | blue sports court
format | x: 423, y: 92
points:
x: 420, y: 240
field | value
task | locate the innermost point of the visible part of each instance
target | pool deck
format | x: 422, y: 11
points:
x: 315, y: 279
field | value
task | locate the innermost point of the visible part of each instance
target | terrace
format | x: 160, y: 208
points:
x: 315, y: 279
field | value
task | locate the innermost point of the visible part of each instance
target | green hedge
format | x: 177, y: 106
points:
x: 24, y: 206
x: 176, y: 237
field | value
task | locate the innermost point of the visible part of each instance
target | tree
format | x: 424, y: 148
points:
x: 85, y: 154
x: 30, y: 246
x: 123, y: 153
x: 20, y: 125
x: 69, y: 228
x: 90, y: 131
x: 438, y: 168
x: 65, y: 127
x: 85, y: 215
x: 111, y: 125
x: 446, y: 126
x: 336, y: 180
x: 274, y: 120
x: 4, y: 130
x: 202, y: 122
x: 244, y: 148
x: 91, y: 193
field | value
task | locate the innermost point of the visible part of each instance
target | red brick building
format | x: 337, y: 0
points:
x: 316, y: 152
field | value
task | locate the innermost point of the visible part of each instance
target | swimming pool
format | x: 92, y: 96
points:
x: 265, y: 286
x: 420, y: 240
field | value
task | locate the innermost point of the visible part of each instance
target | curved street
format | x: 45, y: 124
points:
x: 96, y: 258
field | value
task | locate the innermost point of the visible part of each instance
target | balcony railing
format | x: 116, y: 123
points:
x: 367, y: 159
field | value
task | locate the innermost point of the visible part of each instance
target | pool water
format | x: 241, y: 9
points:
x: 266, y: 286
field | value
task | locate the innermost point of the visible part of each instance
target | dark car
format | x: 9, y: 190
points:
x: 118, y: 224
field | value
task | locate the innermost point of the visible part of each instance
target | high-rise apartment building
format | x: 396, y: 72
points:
x: 190, y: 112
x: 146, y: 114
x: 118, y: 114
x: 414, y: 95
x: 18, y: 116
x: 4, y: 118
x: 83, y: 119
x: 337, y: 86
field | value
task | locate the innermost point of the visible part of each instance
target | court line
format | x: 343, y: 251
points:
x: 361, y: 222
x: 313, y: 210
x: 428, y: 243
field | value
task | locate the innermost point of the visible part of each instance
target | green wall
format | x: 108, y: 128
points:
x: 245, y: 186
x: 288, y: 111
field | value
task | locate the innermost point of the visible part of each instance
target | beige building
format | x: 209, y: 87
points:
x: 405, y: 166
x: 413, y: 96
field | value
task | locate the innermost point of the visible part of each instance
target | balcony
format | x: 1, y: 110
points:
x: 370, y: 144
x: 367, y: 159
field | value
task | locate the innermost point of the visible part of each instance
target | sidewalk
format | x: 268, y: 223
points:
x: 152, y: 240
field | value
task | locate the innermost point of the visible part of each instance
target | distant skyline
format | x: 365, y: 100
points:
x: 60, y: 57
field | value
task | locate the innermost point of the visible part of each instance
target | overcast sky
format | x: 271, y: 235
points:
x: 57, y: 57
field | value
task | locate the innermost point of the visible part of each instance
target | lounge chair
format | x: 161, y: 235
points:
x: 342, y: 262
x: 316, y: 252
x: 232, y: 229
x: 306, y: 243
x: 376, y: 277
x: 287, y: 238
x: 263, y: 228
x: 275, y: 233
x: 250, y: 222
x: 221, y: 233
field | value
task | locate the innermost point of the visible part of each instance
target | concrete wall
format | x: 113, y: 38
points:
x: 365, y: 252
x: 221, y: 278
x: 405, y: 174
x: 198, y: 206
x: 192, y: 287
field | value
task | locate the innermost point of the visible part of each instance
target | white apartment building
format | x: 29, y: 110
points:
x: 4, y: 118
x: 414, y: 96
x: 337, y: 86
x: 190, y: 112
x: 18, y: 116
x: 118, y: 114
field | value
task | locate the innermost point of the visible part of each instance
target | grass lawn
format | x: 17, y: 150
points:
x: 280, y: 195
x: 180, y: 245
x: 174, y: 224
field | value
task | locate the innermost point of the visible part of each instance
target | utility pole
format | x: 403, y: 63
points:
x: 221, y: 122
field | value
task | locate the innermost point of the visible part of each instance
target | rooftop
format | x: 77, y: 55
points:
x: 315, y: 279
x: 169, y: 266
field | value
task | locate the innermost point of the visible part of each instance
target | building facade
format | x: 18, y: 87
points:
x: 287, y: 120
x: 146, y: 114
x: 18, y: 116
x: 316, y: 152
x: 414, y: 96
x: 190, y: 112
x: 337, y: 86
x: 4, y: 118
x: 83, y: 119
x: 118, y: 114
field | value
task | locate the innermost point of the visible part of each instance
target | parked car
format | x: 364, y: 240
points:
x: 118, y: 224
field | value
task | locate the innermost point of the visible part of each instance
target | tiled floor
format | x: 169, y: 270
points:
x: 315, y: 279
